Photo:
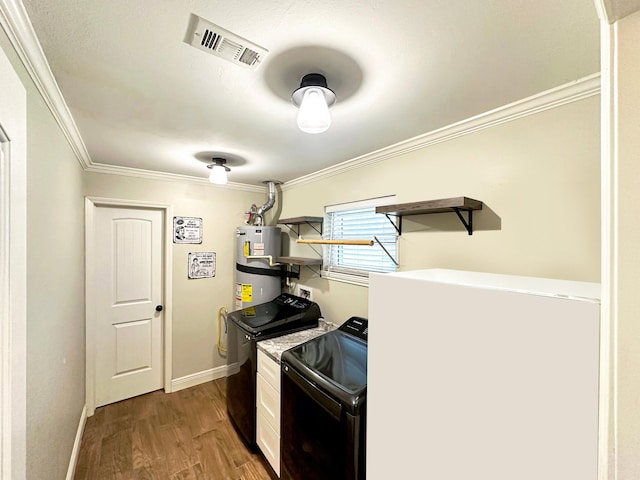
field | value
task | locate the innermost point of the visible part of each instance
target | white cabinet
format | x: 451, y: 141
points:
x: 482, y: 376
x: 268, y: 409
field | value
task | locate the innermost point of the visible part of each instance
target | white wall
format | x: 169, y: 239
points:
x: 55, y: 288
x: 196, y: 301
x: 539, y: 179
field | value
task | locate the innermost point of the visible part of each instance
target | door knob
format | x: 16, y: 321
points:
x: 158, y: 308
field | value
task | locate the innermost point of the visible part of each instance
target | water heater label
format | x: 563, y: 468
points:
x: 247, y: 292
x: 238, y: 296
x: 258, y: 248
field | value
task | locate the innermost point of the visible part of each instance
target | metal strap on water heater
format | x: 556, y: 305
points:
x: 258, y: 271
x: 266, y: 271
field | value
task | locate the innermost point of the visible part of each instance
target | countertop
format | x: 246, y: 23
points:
x: 274, y: 347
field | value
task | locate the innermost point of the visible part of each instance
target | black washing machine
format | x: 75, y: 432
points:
x: 284, y: 314
x: 324, y: 393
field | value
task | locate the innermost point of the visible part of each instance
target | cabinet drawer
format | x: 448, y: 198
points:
x: 269, y: 442
x: 268, y: 402
x: 269, y: 369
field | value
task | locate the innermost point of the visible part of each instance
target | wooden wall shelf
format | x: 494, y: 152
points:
x: 293, y: 224
x: 297, y: 221
x: 443, y: 205
x: 299, y: 260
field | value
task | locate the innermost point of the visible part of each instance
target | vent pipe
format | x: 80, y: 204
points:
x: 256, y: 214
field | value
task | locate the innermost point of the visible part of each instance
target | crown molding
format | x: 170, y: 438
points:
x: 167, y: 177
x: 612, y: 11
x: 16, y: 24
x: 568, y: 93
x: 15, y: 21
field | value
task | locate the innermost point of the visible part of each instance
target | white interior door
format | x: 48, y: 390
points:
x: 128, y: 288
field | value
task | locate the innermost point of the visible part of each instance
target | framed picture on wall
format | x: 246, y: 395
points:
x: 202, y: 265
x: 187, y: 230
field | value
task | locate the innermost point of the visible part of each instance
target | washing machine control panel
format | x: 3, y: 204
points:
x: 357, y: 326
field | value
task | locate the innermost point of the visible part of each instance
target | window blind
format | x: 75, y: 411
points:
x: 358, y: 221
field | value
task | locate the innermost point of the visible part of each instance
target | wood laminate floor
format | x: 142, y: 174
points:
x: 179, y: 436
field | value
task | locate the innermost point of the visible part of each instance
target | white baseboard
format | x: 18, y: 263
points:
x: 73, y: 461
x: 200, y: 377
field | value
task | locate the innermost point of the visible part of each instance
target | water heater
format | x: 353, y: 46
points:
x: 257, y: 279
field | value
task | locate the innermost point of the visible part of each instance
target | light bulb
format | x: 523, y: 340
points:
x: 313, y: 116
x: 218, y: 175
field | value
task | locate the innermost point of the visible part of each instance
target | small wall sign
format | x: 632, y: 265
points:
x: 202, y: 265
x: 187, y: 230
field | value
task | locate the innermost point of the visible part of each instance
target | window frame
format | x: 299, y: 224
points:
x: 349, y: 274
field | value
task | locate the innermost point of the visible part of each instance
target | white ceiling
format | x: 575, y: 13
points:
x: 143, y: 98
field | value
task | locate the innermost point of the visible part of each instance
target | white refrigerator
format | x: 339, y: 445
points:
x: 475, y: 376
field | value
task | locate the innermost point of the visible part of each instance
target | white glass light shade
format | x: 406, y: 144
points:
x: 218, y: 175
x: 313, y: 116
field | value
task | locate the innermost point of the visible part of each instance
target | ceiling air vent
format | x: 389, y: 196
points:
x: 211, y: 38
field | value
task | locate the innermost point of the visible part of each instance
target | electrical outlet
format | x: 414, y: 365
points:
x: 304, y: 292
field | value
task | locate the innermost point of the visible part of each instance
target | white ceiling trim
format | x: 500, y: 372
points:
x: 571, y: 92
x: 171, y: 177
x: 613, y: 10
x: 564, y: 94
x: 16, y: 24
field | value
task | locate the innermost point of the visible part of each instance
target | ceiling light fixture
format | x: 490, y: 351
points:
x: 314, y: 99
x: 218, y: 171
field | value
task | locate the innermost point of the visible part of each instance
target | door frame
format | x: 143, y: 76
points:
x: 91, y: 204
x: 13, y: 274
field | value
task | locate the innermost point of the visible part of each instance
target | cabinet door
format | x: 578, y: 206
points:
x: 268, y: 409
x: 269, y: 369
x: 269, y: 442
x: 268, y: 403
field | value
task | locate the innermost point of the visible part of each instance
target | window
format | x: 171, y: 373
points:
x: 359, y: 221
